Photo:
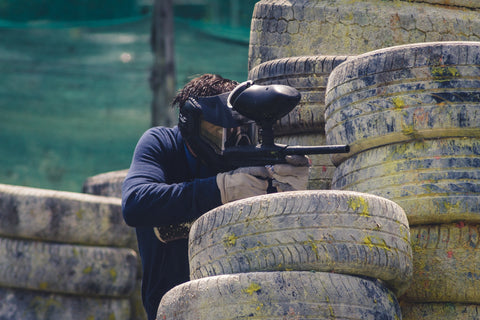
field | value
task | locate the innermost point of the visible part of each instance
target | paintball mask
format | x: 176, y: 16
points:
x: 209, y: 126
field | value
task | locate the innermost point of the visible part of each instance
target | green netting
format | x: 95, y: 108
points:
x: 75, y: 100
x: 221, y: 31
x: 233, y: 13
x: 70, y: 10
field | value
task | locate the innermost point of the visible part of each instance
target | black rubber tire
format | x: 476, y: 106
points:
x: 108, y: 184
x: 281, y: 29
x: 322, y: 168
x: 434, y: 181
x: 328, y: 231
x: 279, y: 296
x: 66, y: 217
x: 309, y: 75
x: 31, y: 305
x: 404, y: 93
x: 67, y: 269
x: 443, y: 311
x: 446, y: 260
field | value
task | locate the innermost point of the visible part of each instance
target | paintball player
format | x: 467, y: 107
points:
x: 176, y: 175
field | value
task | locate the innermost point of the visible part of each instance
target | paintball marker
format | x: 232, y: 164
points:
x: 265, y: 105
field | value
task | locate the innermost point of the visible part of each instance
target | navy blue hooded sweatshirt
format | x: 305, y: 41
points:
x: 165, y: 185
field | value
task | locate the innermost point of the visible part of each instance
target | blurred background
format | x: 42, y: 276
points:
x: 74, y: 79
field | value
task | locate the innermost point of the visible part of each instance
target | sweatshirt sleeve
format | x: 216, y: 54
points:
x: 158, y: 189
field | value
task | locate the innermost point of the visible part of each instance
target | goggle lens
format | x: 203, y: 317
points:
x: 220, y: 138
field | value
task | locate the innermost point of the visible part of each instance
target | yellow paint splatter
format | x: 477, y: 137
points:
x: 252, y: 288
x: 79, y: 213
x: 359, y: 205
x: 87, y: 270
x: 399, y: 149
x: 111, y: 316
x: 313, y: 245
x: 404, y: 233
x: 230, y: 240
x: 113, y: 274
x: 451, y: 207
x: 376, y: 242
x: 419, y: 145
x: 368, y: 242
x: 408, y: 130
x: 443, y: 71
x: 398, y: 102
x: 41, y: 305
x: 391, y: 298
x: 330, y: 307
x: 43, y: 285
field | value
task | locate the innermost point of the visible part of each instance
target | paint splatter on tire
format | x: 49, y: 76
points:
x: 278, y: 296
x: 329, y: 231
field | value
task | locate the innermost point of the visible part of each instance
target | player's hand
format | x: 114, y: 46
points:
x: 242, y: 183
x: 291, y: 176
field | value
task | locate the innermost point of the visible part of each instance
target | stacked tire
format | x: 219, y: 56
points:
x: 411, y: 115
x: 305, y: 124
x: 282, y: 29
x: 64, y: 256
x: 109, y: 184
x: 296, y: 255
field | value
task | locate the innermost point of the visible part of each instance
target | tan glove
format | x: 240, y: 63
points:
x: 242, y: 183
x: 291, y: 176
